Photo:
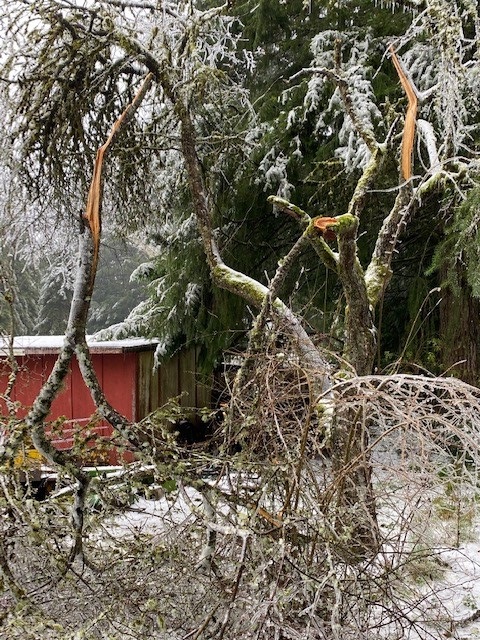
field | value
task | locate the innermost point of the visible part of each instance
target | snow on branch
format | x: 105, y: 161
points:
x: 427, y: 133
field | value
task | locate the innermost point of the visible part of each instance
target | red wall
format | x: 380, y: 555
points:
x: 117, y: 374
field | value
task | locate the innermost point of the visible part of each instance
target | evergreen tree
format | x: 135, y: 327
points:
x: 18, y: 295
x: 267, y: 123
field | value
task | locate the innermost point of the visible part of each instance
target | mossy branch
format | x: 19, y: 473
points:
x: 379, y: 270
x: 326, y: 254
x: 75, y: 340
x: 369, y: 174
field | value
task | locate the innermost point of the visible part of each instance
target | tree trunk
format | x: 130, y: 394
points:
x: 352, y: 501
x: 460, y: 331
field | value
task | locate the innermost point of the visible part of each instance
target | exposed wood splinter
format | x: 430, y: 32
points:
x: 93, y: 210
x: 324, y: 227
x: 410, y: 118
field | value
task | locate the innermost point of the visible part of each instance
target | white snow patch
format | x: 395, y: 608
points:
x: 24, y: 345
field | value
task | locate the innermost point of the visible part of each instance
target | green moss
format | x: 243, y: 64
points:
x: 283, y: 204
x: 376, y: 277
x: 345, y: 223
x: 367, y: 177
x: 238, y: 283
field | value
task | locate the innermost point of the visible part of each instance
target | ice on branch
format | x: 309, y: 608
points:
x: 330, y: 108
x: 144, y: 271
x: 273, y: 173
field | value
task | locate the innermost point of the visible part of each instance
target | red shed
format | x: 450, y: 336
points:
x: 125, y: 370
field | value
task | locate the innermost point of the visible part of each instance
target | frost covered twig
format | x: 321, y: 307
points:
x: 236, y: 585
x: 205, y: 563
x: 427, y: 133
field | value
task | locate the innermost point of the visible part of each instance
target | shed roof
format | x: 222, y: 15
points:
x: 26, y: 345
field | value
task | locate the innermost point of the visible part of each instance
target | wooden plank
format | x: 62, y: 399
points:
x: 187, y: 378
x: 119, y: 382
x: 204, y: 386
x: 204, y: 392
x: 30, y: 378
x: 154, y: 381
x: 169, y: 382
x: 147, y: 385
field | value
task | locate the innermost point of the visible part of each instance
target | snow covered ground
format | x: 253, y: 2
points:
x: 448, y: 575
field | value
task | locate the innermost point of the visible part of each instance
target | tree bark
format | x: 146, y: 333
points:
x: 75, y: 339
x: 460, y: 332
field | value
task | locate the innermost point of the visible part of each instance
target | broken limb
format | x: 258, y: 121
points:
x: 410, y: 117
x: 85, y: 278
x: 75, y: 340
x: 326, y: 254
x: 95, y: 194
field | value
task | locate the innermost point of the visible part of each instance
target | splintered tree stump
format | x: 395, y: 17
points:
x: 324, y: 227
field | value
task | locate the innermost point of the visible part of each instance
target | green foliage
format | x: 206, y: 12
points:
x: 18, y: 295
x: 115, y: 295
x: 461, y: 246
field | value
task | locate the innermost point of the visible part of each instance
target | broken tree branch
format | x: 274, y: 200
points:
x: 94, y: 201
x: 75, y: 340
x: 410, y: 117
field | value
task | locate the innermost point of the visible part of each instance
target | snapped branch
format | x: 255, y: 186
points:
x: 94, y: 201
x: 75, y: 340
x: 410, y: 117
x: 326, y: 254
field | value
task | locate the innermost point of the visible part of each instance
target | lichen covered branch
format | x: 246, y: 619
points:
x: 75, y: 340
x: 326, y: 254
